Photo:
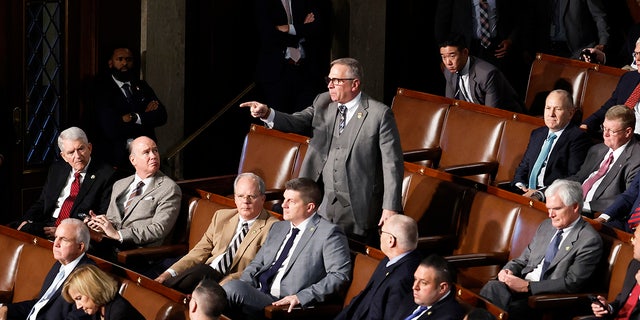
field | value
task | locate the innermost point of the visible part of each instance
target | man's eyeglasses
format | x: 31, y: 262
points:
x: 635, y: 54
x: 249, y: 197
x: 337, y: 81
x: 380, y: 232
x: 609, y: 131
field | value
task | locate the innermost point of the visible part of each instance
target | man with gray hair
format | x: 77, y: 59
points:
x: 69, y: 247
x: 544, y: 268
x: 73, y: 187
x: 391, y: 282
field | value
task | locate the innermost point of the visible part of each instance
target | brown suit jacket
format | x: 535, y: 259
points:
x: 217, y: 238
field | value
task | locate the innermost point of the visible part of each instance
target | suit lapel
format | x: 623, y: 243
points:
x: 312, y: 226
x: 157, y: 182
x: 567, y: 244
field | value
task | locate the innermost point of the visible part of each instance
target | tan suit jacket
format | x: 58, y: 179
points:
x: 216, y: 240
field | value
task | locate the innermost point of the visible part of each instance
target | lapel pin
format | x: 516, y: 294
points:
x: 359, y: 115
x: 567, y: 248
x: 93, y: 176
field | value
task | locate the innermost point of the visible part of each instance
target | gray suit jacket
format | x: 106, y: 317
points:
x: 374, y: 166
x: 572, y: 266
x: 319, y: 268
x: 616, y: 180
x: 152, y: 214
x: 487, y: 85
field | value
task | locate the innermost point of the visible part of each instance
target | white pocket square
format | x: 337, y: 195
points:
x: 148, y: 198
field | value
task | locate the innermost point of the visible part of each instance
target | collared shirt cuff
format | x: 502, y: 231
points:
x: 172, y: 272
x: 269, y: 120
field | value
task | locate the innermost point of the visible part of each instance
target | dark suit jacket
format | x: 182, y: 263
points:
x: 623, y: 90
x: 319, y: 268
x: 386, y: 289
x: 624, y: 204
x: 619, y: 177
x: 56, y: 307
x: 94, y: 193
x: 445, y: 309
x: 487, y: 85
x: 374, y: 167
x: 565, y: 159
x: 112, y: 132
x: 572, y: 267
x: 456, y: 16
x: 629, y: 283
x: 119, y: 309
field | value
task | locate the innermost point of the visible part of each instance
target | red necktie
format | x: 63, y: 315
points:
x: 633, y: 98
x: 628, y: 306
x: 634, y: 219
x: 586, y: 186
x: 65, y: 211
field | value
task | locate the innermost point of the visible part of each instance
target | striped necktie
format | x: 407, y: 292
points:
x: 225, y: 262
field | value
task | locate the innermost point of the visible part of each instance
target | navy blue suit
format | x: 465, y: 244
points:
x: 56, y: 307
x: 623, y: 90
x: 565, y: 159
x: 386, y: 289
x: 445, y: 309
x: 94, y: 194
x: 627, y: 286
x: 625, y: 203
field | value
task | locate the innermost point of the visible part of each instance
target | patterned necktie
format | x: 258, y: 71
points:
x: 266, y: 277
x: 127, y: 91
x: 136, y: 192
x: 633, y: 98
x: 634, y: 219
x: 542, y: 157
x: 65, y: 211
x: 225, y: 262
x: 552, y: 249
x: 588, y: 184
x: 416, y: 313
x: 485, y: 34
x: 343, y: 118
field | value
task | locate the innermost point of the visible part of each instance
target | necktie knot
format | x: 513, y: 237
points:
x: 551, y: 137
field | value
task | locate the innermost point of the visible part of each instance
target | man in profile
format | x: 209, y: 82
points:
x: 208, y: 301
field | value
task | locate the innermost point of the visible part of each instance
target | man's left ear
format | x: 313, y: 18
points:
x: 311, y: 207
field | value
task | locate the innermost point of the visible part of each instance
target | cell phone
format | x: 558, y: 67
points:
x: 594, y: 299
x: 82, y: 215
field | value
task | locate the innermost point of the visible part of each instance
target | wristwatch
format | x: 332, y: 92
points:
x: 134, y: 116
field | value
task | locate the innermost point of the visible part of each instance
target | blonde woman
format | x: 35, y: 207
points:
x: 96, y: 293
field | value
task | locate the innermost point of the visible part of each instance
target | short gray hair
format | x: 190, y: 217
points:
x: 570, y: 192
x: 250, y: 175
x: 72, y: 134
x: 405, y: 229
x: 82, y: 231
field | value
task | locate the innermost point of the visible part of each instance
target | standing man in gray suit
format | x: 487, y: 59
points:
x: 610, y: 166
x: 561, y: 258
x: 305, y: 259
x: 355, y: 151
x: 143, y: 207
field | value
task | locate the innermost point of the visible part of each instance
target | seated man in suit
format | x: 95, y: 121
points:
x: 475, y: 80
x: 143, y: 207
x: 227, y: 246
x: 434, y: 293
x: 69, y: 247
x: 391, y: 281
x: 73, y: 187
x: 304, y: 261
x: 625, y: 306
x: 561, y: 258
x: 610, y: 167
x: 208, y: 301
x: 555, y: 151
x: 625, y: 93
x: 624, y: 213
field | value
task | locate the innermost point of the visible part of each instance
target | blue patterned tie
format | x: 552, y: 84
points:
x: 416, y: 313
x: 551, y: 252
x: 542, y: 157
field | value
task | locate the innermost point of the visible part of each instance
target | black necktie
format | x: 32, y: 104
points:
x: 127, y: 91
x: 266, y: 277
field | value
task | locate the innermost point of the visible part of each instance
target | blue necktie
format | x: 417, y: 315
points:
x: 416, y: 313
x: 551, y: 252
x: 542, y: 157
x: 266, y: 277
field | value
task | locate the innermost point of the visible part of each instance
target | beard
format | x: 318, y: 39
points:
x: 124, y: 76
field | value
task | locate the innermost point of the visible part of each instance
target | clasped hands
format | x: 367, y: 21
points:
x: 514, y: 283
x: 101, y: 225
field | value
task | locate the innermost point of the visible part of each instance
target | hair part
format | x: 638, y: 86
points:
x: 88, y: 280
x: 72, y: 134
x: 309, y: 190
x: 570, y: 192
x: 623, y: 114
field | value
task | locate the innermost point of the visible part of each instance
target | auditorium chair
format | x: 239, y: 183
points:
x: 600, y: 83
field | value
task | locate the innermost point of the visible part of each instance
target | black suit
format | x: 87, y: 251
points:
x: 445, y: 309
x: 112, y: 132
x: 624, y: 88
x: 56, y: 307
x: 119, y: 309
x: 565, y: 158
x: 629, y: 282
x: 94, y: 194
x: 386, y: 289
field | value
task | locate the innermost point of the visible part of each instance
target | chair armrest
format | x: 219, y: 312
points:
x: 561, y: 300
x: 324, y: 311
x: 477, y: 259
x: 470, y: 169
x: 218, y: 184
x: 442, y: 244
x: 432, y: 154
x: 133, y: 256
